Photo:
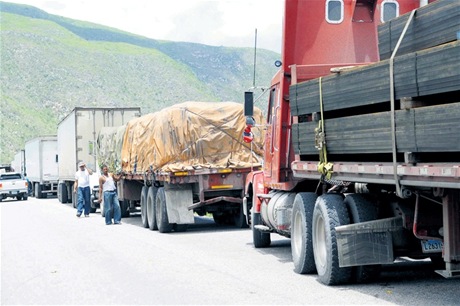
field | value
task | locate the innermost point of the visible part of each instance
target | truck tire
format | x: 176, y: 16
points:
x: 438, y: 262
x: 221, y: 218
x: 69, y: 193
x: 59, y: 195
x: 124, y: 207
x: 62, y: 193
x: 151, y: 208
x: 240, y: 218
x: 74, y: 199
x: 260, y: 239
x: 180, y: 227
x: 38, y: 190
x: 301, y: 233
x: 362, y: 208
x: 145, y: 222
x: 102, y: 208
x: 161, y: 213
x: 329, y: 212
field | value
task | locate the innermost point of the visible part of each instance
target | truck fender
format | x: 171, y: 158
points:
x: 254, y: 183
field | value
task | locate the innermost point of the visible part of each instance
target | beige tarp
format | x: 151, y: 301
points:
x: 191, y: 135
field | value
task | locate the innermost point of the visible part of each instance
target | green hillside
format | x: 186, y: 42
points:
x: 50, y: 64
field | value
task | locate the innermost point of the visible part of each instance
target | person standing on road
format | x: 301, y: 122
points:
x: 82, y: 186
x: 111, y: 204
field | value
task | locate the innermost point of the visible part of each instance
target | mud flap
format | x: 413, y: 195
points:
x: 178, y: 197
x: 367, y: 243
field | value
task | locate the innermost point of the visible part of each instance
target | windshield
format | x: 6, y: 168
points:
x: 15, y: 176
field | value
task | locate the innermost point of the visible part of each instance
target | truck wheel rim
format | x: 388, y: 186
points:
x: 297, y: 235
x: 320, y: 242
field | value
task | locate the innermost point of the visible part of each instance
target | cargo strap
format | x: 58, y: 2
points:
x: 324, y: 167
x: 392, y: 100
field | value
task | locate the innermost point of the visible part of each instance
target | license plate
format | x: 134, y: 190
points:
x: 431, y: 246
x: 14, y: 192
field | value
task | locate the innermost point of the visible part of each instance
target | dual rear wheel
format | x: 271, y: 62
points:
x: 154, y: 214
x: 314, y: 239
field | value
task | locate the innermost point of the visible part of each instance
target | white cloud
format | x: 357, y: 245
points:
x: 213, y: 22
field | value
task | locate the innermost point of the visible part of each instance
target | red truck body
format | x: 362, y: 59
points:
x: 292, y: 198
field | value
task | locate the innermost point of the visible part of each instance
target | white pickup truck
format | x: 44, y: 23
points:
x: 13, y: 185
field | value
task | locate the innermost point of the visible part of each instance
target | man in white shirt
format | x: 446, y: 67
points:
x: 108, y: 192
x: 82, y: 187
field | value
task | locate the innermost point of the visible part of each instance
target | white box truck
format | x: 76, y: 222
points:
x: 77, y: 134
x: 19, y: 162
x: 41, y: 159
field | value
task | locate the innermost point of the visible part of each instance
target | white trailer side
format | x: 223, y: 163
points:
x: 41, y: 160
x: 19, y: 162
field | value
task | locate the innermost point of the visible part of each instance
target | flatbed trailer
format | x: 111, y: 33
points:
x: 433, y: 175
x: 169, y: 200
x: 183, y: 160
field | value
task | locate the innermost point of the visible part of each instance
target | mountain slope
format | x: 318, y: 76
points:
x: 50, y: 64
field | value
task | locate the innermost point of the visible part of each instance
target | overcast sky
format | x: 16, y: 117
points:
x: 229, y: 23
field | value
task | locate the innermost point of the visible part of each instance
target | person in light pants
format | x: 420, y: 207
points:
x: 82, y: 187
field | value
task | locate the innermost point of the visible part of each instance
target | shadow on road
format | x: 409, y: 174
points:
x: 402, y: 280
x: 202, y: 224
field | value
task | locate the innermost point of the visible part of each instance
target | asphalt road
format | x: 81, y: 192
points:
x: 49, y: 256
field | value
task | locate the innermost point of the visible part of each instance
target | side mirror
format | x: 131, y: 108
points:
x: 248, y: 103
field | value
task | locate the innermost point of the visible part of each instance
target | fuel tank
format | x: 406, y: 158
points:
x: 277, y: 213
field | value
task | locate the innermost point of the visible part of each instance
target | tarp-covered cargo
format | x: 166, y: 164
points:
x: 109, y: 145
x: 185, y: 136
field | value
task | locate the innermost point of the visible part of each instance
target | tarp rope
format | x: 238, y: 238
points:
x: 324, y: 167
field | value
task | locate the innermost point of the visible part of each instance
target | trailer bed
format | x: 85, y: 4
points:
x: 436, y: 175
